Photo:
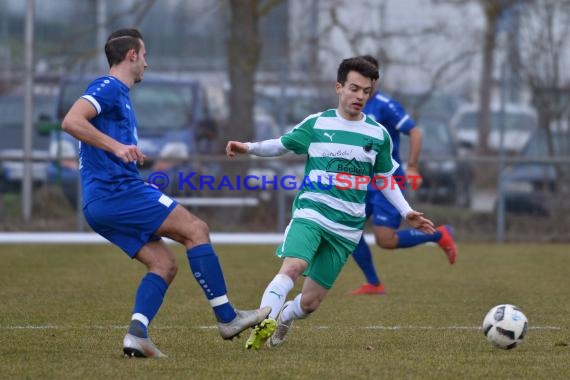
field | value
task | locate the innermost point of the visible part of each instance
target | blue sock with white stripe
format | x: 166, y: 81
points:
x: 207, y: 271
x: 412, y: 237
x: 363, y: 258
x: 148, y: 300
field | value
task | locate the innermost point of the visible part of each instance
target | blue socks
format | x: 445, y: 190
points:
x: 208, y: 273
x: 406, y: 238
x: 148, y: 299
x: 411, y: 238
x: 363, y: 258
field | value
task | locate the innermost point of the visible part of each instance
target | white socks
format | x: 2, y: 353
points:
x: 293, y: 311
x: 276, y: 293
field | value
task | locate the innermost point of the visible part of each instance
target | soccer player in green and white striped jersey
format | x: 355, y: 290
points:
x: 345, y: 150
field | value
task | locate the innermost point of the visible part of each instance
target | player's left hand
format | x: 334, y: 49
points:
x: 418, y: 221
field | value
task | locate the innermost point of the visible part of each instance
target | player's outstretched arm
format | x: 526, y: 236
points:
x: 266, y: 148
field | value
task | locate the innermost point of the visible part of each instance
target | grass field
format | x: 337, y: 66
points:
x: 64, y: 311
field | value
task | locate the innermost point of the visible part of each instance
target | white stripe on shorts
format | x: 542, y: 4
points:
x: 165, y: 200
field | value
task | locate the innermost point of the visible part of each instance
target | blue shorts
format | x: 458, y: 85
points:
x: 130, y: 218
x: 382, y: 211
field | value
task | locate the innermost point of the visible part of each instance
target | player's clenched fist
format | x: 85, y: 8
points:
x: 234, y: 147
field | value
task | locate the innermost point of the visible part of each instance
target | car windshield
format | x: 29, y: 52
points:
x: 538, y: 144
x: 157, y: 105
x: 162, y: 106
x: 513, y: 122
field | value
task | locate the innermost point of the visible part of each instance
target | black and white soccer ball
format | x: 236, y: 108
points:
x: 505, y: 326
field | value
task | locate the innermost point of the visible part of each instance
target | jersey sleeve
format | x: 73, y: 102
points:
x: 299, y: 138
x: 399, y: 118
x: 101, y: 93
x: 266, y: 148
x: 385, y: 165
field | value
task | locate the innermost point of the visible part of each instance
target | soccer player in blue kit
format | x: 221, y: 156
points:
x: 385, y: 217
x: 121, y: 207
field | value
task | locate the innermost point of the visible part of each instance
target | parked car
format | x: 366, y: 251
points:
x: 11, y: 143
x: 173, y: 120
x: 519, y: 122
x: 533, y: 187
x: 446, y: 180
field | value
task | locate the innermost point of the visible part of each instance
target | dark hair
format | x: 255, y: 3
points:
x: 371, y: 59
x: 358, y: 64
x: 120, y: 42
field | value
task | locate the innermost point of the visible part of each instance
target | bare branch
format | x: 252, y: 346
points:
x: 265, y: 8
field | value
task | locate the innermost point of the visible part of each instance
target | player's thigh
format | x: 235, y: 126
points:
x: 184, y: 227
x: 331, y: 256
x: 385, y: 236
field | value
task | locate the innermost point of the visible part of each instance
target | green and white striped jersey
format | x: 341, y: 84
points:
x: 342, y: 156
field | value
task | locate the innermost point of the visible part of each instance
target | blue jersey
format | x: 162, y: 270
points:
x: 103, y: 173
x: 394, y: 118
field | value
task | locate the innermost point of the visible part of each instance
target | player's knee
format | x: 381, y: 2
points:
x: 293, y: 268
x: 195, y: 232
x: 200, y: 230
x: 386, y: 241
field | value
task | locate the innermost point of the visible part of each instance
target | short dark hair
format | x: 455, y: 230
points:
x: 358, y: 64
x: 371, y: 59
x: 120, y: 42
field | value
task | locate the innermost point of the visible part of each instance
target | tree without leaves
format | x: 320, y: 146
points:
x: 440, y: 71
x: 244, y: 47
x: 544, y: 30
x: 493, y: 10
x: 138, y: 10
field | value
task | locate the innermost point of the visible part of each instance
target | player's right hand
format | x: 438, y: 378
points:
x: 130, y: 153
x: 235, y: 147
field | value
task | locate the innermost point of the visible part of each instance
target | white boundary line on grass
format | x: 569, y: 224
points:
x: 93, y: 238
x: 376, y: 327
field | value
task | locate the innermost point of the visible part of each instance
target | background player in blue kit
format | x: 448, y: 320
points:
x: 121, y: 207
x: 385, y: 217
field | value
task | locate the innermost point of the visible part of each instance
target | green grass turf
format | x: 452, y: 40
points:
x: 64, y: 311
